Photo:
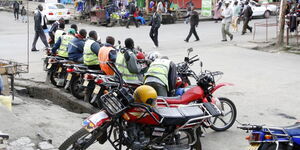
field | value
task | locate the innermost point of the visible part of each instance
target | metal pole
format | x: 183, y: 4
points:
x: 267, y: 26
x: 28, y: 35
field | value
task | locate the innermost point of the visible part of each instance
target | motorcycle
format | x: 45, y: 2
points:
x: 57, y: 71
x: 273, y: 138
x: 202, y: 93
x: 123, y: 122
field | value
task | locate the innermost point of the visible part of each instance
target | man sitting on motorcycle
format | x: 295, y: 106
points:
x: 162, y: 76
x: 75, y: 47
x: 91, y: 50
x: 127, y: 63
x: 61, y: 46
x: 59, y: 32
x: 53, y: 29
x: 107, y: 54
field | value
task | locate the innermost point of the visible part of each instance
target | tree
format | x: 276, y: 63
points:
x: 281, y: 23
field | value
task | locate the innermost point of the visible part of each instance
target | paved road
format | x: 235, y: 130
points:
x: 266, y: 84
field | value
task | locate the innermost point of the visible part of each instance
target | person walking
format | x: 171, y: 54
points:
x: 155, y: 24
x: 16, y: 7
x: 23, y: 15
x: 131, y: 18
x: 39, y: 25
x: 194, y: 21
x: 226, y: 20
x: 236, y: 9
x: 247, y: 15
x: 217, y: 11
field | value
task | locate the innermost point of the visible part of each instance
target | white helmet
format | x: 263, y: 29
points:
x: 153, y: 55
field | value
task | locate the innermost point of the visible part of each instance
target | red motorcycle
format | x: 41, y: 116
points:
x: 126, y: 123
x: 202, y: 93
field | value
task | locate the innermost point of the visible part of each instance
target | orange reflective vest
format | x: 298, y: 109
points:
x: 103, y: 57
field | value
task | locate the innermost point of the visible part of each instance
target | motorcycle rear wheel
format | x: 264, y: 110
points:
x: 53, y: 76
x: 76, y: 87
x: 225, y: 125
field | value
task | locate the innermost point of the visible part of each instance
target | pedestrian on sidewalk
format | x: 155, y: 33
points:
x: 155, y: 24
x: 131, y: 18
x: 16, y: 7
x: 226, y: 21
x: 39, y: 26
x: 217, y: 11
x: 236, y: 9
x: 247, y: 15
x: 24, y: 15
x: 194, y: 21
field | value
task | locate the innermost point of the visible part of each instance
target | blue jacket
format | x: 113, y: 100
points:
x: 75, y: 49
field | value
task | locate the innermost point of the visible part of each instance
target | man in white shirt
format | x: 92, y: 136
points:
x: 226, y: 21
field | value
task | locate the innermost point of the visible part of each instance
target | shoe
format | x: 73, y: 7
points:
x: 197, y: 40
x: 231, y: 37
x: 250, y: 30
x: 243, y: 33
x: 186, y: 41
x: 127, y: 27
x: 224, y: 40
x: 34, y: 50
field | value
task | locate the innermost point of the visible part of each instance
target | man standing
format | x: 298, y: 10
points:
x: 16, y: 7
x: 39, y: 25
x: 91, y: 50
x: 194, y: 20
x: 226, y: 20
x: 247, y: 14
x: 107, y: 54
x: 131, y: 18
x: 155, y: 24
x: 127, y: 63
x: 53, y: 29
x: 75, y: 47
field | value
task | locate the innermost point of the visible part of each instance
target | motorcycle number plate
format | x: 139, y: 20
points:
x: 59, y: 69
x: 85, y: 83
x: 97, y: 89
x: 69, y: 77
x: 49, y: 66
x: 254, y: 147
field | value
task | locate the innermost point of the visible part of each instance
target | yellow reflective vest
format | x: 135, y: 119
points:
x: 89, y: 57
x: 122, y: 67
x: 63, y: 48
x: 160, y: 69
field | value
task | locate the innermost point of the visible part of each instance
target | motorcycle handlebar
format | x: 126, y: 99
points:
x: 194, y: 57
x: 192, y: 61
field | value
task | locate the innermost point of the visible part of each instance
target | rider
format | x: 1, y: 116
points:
x: 162, y: 76
x: 53, y: 29
x: 127, y: 63
x: 107, y: 53
x: 61, y: 45
x: 91, y: 50
x: 75, y: 47
x: 59, y: 32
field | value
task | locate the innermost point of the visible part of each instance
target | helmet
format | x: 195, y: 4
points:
x: 140, y: 55
x: 153, y: 55
x: 145, y: 94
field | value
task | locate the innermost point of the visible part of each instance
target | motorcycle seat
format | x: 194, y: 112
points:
x: 293, y: 130
x: 179, y: 115
x: 169, y: 98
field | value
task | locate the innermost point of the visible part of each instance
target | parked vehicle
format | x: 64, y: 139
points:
x: 124, y: 122
x: 55, y: 11
x: 273, y: 138
x: 202, y: 93
x: 57, y: 72
x: 263, y: 10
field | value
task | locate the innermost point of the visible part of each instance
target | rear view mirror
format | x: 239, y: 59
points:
x: 186, y: 59
x: 190, y: 50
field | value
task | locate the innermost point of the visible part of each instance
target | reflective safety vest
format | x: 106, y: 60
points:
x: 103, y: 57
x: 89, y: 57
x: 63, y: 48
x: 58, y: 34
x: 122, y: 67
x: 160, y: 69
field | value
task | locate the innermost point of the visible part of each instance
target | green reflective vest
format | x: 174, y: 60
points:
x: 89, y: 57
x: 63, y: 48
x: 122, y: 67
x: 160, y: 69
x: 58, y: 34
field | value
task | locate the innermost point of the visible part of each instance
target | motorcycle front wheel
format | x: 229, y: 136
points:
x: 81, y: 139
x: 228, y: 117
x: 76, y: 87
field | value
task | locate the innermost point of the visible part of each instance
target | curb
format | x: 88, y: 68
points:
x: 56, y: 95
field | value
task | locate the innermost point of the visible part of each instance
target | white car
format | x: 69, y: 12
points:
x: 264, y: 10
x: 55, y: 11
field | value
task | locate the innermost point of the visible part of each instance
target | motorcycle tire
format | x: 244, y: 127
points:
x: 53, y: 76
x: 75, y: 87
x: 227, y: 125
x: 272, y: 146
x: 198, y: 145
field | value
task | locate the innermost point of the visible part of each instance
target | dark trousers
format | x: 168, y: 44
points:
x: 246, y: 26
x: 154, y: 35
x: 192, y: 31
x: 42, y: 35
x: 130, y: 19
x: 161, y: 90
x: 16, y: 13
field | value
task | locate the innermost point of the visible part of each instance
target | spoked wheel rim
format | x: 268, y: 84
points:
x: 228, y: 117
x: 78, y: 89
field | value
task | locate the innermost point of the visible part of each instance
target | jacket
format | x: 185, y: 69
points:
x: 23, y: 12
x: 16, y: 6
x: 39, y: 24
x: 75, y: 49
x: 127, y: 65
x: 247, y: 12
x: 227, y: 14
x: 90, y: 53
x: 194, y: 18
x: 155, y: 20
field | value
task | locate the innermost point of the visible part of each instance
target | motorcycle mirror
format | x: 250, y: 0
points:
x: 186, y: 59
x: 190, y: 50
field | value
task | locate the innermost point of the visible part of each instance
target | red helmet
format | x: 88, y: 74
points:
x: 140, y: 55
x: 178, y: 82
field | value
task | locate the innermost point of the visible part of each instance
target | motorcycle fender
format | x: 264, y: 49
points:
x: 221, y: 85
x: 96, y: 120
